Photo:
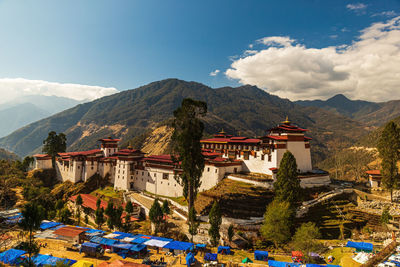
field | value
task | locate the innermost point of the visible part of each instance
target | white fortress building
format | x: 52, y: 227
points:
x: 247, y: 159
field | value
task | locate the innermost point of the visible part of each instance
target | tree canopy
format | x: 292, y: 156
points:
x: 305, y: 237
x: 287, y: 185
x: 215, y: 219
x: 277, y: 223
x: 54, y: 144
x: 389, y: 151
x: 156, y: 215
x: 186, y: 147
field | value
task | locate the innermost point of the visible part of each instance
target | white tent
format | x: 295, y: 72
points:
x: 156, y: 243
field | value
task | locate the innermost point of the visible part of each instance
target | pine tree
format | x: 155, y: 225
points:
x: 32, y: 216
x: 193, y: 223
x: 99, y: 219
x: 79, y: 203
x: 128, y: 210
x: 287, y: 185
x: 54, y: 144
x: 186, y: 146
x: 165, y: 207
x: 156, y: 215
x: 215, y: 219
x: 389, y: 149
x: 277, y: 223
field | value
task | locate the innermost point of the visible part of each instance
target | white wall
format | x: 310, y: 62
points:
x: 43, y: 164
x: 302, y: 155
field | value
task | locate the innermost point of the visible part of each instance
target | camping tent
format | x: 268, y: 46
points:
x: 360, y: 246
x: 83, y: 263
x: 155, y: 243
x: 224, y: 250
x: 246, y: 260
x: 190, y: 259
x: 330, y: 265
x: 46, y: 225
x: 261, y: 255
x: 211, y: 257
x: 11, y: 256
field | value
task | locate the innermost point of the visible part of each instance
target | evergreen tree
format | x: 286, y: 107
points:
x: 287, y: 185
x: 65, y: 215
x: 215, y: 219
x: 156, y: 215
x: 304, y: 239
x: 389, y: 149
x: 98, y: 203
x: 110, y: 214
x: 193, y: 223
x: 32, y: 216
x: 186, y: 147
x: 165, y: 207
x: 99, y: 219
x: 86, y: 220
x: 385, y: 217
x: 128, y: 210
x: 54, y: 144
x: 79, y: 203
x: 231, y: 232
x: 277, y: 223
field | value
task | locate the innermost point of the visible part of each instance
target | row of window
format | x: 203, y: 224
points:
x: 226, y: 146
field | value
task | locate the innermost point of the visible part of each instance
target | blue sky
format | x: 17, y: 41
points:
x: 125, y: 44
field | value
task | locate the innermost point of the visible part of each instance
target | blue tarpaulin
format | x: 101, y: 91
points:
x: 260, y: 255
x: 190, y: 259
x: 140, y: 240
x: 48, y: 225
x: 137, y: 247
x: 360, y: 245
x: 53, y: 261
x: 91, y: 231
x: 314, y: 265
x: 224, y: 250
x: 201, y: 246
x: 272, y: 263
x: 210, y: 257
x: 90, y: 245
x: 178, y: 245
x: 103, y: 241
x: 11, y: 256
x: 330, y: 265
x: 122, y: 246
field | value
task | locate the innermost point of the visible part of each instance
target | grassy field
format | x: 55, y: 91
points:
x: 108, y: 192
x: 343, y: 257
x: 180, y: 200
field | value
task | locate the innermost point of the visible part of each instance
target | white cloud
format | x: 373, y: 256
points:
x: 390, y: 13
x: 214, y: 73
x: 11, y: 88
x: 276, y: 40
x: 366, y: 69
x: 357, y: 6
x: 333, y: 36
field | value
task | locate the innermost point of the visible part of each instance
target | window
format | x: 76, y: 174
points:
x: 91, y: 167
x: 155, y: 175
x: 269, y: 157
x: 208, y: 169
x: 148, y: 174
x: 246, y: 155
x: 137, y: 172
x: 262, y: 157
x: 216, y: 170
x: 165, y: 176
x: 142, y: 173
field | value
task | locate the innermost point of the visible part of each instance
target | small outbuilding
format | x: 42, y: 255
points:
x: 71, y: 234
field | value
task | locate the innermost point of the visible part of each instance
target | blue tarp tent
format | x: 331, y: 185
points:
x: 314, y: 265
x: 137, y: 247
x: 179, y: 245
x: 260, y: 255
x: 39, y: 259
x: 140, y: 240
x: 103, y: 241
x: 272, y: 263
x: 330, y: 265
x: 190, y: 259
x: 122, y: 246
x: 11, y: 256
x: 211, y: 257
x: 360, y: 246
x: 224, y: 250
x: 53, y: 261
x: 48, y: 225
x: 91, y: 231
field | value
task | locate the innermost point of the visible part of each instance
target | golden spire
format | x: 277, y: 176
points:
x: 130, y: 145
x: 287, y: 121
x: 222, y: 131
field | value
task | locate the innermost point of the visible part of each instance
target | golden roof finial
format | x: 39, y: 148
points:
x: 222, y: 131
x: 130, y: 145
x: 287, y: 121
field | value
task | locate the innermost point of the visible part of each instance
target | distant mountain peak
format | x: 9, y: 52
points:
x: 339, y: 97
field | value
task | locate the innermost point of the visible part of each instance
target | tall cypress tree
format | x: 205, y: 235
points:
x: 186, y: 147
x: 215, y: 219
x: 54, y: 144
x: 287, y: 185
x: 389, y: 147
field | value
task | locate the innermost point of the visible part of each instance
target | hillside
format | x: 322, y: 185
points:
x: 246, y: 110
x: 369, y: 113
x: 7, y: 155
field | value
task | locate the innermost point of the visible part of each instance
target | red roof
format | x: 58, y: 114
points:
x: 374, y: 172
x: 80, y: 153
x: 273, y: 169
x: 109, y: 140
x: 278, y: 137
x: 41, y: 156
x: 211, y: 154
x: 287, y: 127
x: 232, y: 140
x: 69, y: 231
x: 89, y: 201
x: 159, y: 158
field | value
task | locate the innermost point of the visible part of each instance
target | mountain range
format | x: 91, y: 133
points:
x: 369, y: 113
x: 27, y: 109
x: 244, y: 110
